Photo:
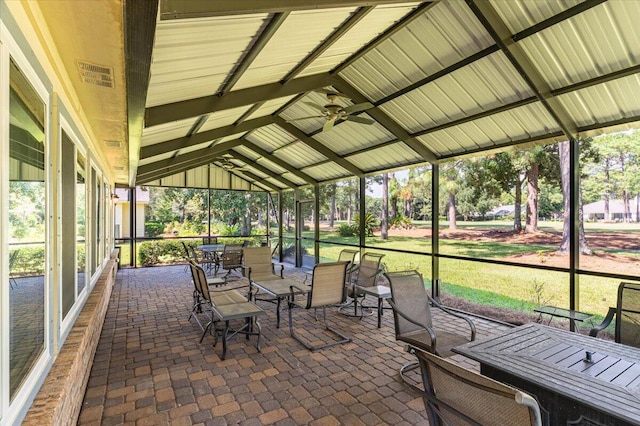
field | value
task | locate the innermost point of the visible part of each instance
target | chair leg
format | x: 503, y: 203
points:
x: 410, y: 366
x: 342, y: 337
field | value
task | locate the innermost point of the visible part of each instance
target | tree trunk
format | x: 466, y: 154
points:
x: 407, y: 208
x: 563, y: 150
x: 384, y: 225
x: 532, y: 198
x: 627, y: 206
x: 332, y: 212
x: 607, y: 178
x: 517, y: 220
x: 452, y: 211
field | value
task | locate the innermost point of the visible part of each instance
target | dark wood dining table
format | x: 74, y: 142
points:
x: 576, y: 379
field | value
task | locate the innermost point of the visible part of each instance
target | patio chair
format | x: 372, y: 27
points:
x: 223, y: 306
x: 456, y: 396
x: 327, y: 289
x: 259, y: 265
x: 208, y: 263
x: 12, y: 261
x: 231, y: 258
x: 627, y: 316
x: 365, y: 282
x: 413, y: 322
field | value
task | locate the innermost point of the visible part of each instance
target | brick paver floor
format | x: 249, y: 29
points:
x: 150, y: 368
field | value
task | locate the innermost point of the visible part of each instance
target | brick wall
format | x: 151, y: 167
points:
x: 60, y: 398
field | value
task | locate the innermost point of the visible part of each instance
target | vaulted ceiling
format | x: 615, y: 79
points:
x: 279, y: 94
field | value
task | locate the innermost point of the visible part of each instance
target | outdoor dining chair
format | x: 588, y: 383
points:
x: 259, y: 265
x: 231, y: 258
x: 365, y: 282
x: 414, y: 324
x: 456, y: 396
x: 12, y: 261
x: 327, y: 289
x: 626, y: 314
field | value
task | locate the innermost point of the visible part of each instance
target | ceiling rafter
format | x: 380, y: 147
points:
x: 279, y: 162
x: 139, y: 31
x: 181, y: 9
x: 203, y: 137
x: 549, y: 22
x: 385, y: 121
x: 515, y: 54
x: 175, y: 111
x: 317, y: 146
x: 254, y: 164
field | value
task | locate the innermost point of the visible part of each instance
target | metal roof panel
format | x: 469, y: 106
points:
x: 298, y: 36
x: 193, y: 57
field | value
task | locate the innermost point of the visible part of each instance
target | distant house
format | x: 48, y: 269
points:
x: 595, y: 211
x: 122, y: 212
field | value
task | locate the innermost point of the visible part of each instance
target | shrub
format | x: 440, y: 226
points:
x: 153, y: 228
x: 230, y: 229
x: 370, y: 222
x: 400, y: 221
x: 348, y: 230
x: 161, y: 251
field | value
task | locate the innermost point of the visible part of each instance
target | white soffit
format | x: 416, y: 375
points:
x: 193, y: 57
x: 369, y: 27
x: 298, y: 36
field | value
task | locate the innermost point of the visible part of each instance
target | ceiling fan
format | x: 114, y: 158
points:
x: 225, y: 162
x: 335, y: 113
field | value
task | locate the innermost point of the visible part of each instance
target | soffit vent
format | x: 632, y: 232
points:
x: 96, y: 74
x: 118, y: 168
x: 113, y: 144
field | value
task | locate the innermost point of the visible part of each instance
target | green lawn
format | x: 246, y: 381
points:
x: 512, y: 287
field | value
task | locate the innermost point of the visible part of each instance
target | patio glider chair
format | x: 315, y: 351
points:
x: 627, y: 316
x: 223, y: 306
x: 365, y: 283
x: 231, y: 258
x: 456, y: 396
x: 414, y: 324
x: 327, y: 289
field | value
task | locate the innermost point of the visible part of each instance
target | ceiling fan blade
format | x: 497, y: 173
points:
x: 328, y: 125
x: 358, y: 107
x: 361, y: 120
x: 316, y: 106
x: 305, y: 118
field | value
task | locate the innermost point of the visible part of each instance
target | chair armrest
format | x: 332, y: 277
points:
x: 292, y: 297
x: 443, y: 308
x: 605, y: 323
x: 280, y: 267
x: 429, y: 330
